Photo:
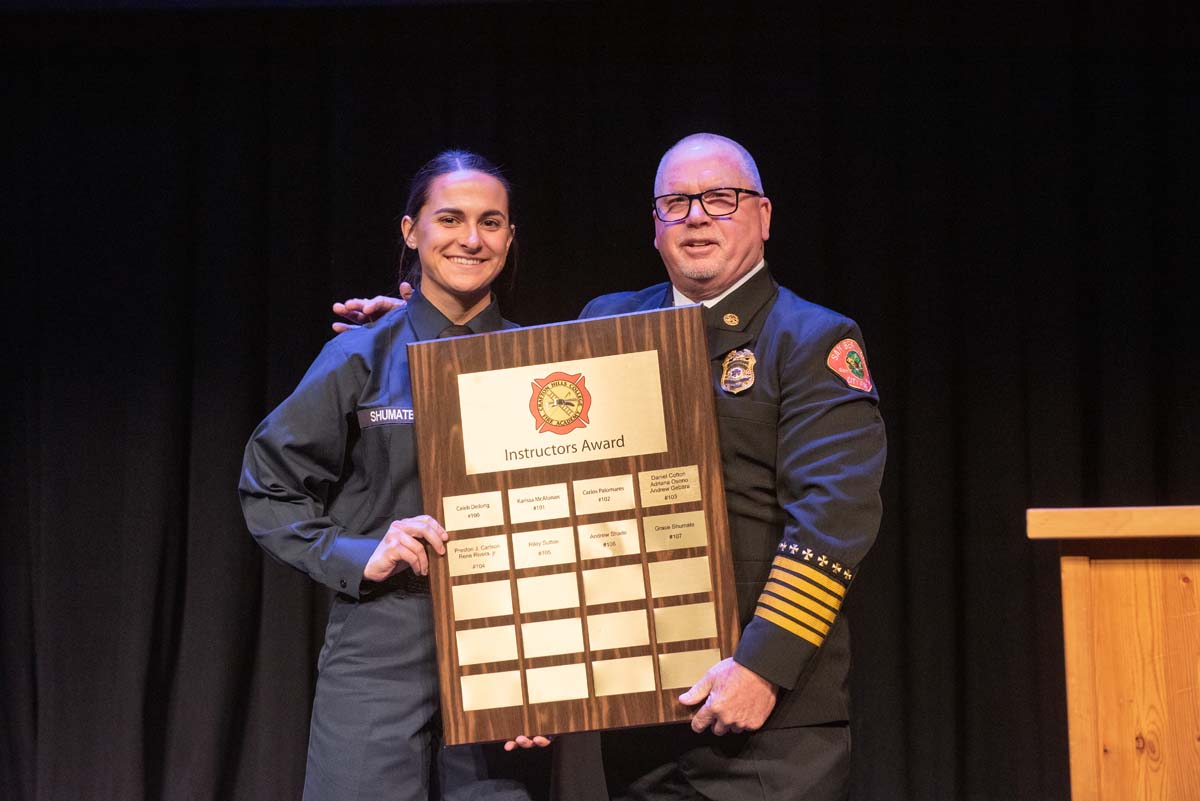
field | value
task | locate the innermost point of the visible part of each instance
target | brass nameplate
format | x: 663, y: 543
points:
x: 497, y: 405
x: 606, y: 585
x: 477, y: 555
x: 669, y: 532
x: 618, y: 630
x: 496, y: 644
x: 531, y: 504
x: 542, y: 593
x: 554, y: 546
x: 686, y: 622
x: 675, y: 485
x: 679, y: 577
x: 686, y: 668
x: 492, y: 690
x: 478, y: 510
x: 472, y: 601
x: 607, y: 494
x: 604, y: 540
x: 560, y: 683
x: 619, y: 676
x: 550, y: 637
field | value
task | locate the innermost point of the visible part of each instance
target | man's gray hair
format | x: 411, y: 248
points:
x: 748, y: 165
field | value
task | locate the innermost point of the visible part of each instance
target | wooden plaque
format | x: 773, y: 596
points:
x: 588, y: 579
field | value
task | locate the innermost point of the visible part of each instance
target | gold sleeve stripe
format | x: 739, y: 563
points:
x: 832, y: 601
x: 812, y: 575
x: 820, y: 626
x: 789, y: 625
x: 802, y: 601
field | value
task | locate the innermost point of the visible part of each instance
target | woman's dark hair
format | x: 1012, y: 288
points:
x: 418, y: 194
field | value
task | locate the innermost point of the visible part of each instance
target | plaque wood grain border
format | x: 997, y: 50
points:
x: 678, y: 336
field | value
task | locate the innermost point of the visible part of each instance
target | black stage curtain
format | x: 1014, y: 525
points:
x: 1005, y: 201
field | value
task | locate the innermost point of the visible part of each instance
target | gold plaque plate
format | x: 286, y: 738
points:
x: 542, y: 593
x: 560, y: 683
x: 686, y: 668
x: 618, y: 630
x: 550, y: 637
x: 679, y: 577
x: 619, y: 676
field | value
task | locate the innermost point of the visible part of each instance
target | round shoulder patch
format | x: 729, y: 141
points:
x: 849, y: 361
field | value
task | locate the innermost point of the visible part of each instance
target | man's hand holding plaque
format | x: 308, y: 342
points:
x: 736, y: 699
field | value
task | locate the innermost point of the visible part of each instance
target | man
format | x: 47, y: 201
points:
x: 802, y: 448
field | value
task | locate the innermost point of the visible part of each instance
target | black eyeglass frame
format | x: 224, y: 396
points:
x: 699, y: 196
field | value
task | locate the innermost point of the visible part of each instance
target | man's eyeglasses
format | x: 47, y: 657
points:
x: 719, y: 202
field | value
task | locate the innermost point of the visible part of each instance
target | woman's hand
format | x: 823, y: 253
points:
x: 403, y: 546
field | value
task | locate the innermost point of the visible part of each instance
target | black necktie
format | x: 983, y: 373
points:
x: 455, y: 331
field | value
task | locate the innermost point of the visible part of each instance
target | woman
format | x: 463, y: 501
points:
x: 329, y: 486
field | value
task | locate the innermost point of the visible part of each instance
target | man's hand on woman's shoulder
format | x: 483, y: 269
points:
x: 367, y: 310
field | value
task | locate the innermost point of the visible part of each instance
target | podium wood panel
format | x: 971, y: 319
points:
x: 677, y: 338
x: 1113, y: 521
x: 1131, y: 630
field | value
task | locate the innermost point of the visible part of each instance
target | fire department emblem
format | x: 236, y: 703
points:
x: 848, y: 360
x: 560, y: 403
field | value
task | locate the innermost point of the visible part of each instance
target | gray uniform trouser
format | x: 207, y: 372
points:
x: 375, y: 731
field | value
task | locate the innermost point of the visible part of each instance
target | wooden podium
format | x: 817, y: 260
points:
x: 1131, y: 628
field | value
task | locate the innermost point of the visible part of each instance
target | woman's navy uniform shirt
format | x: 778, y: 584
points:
x: 331, y: 467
